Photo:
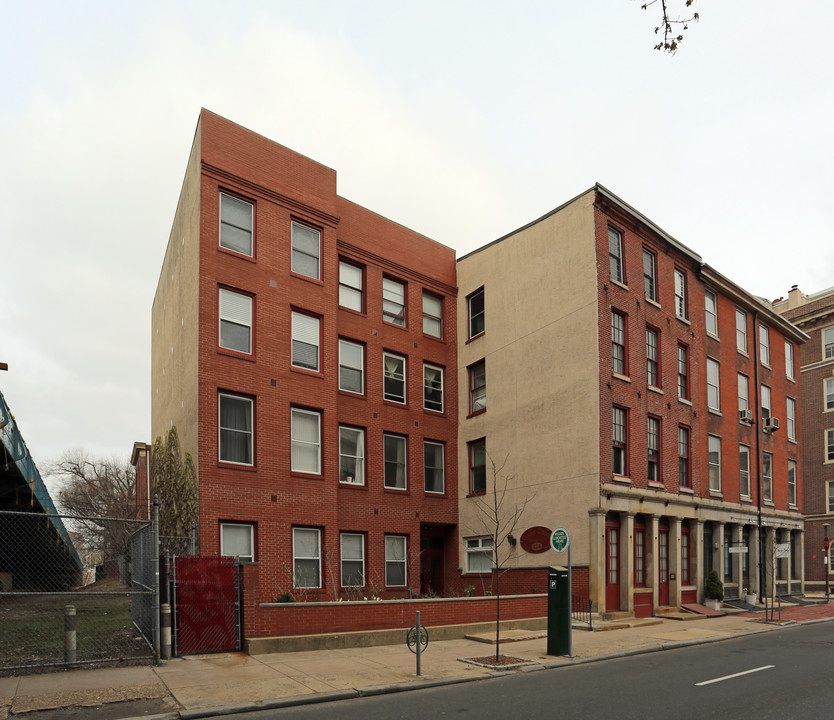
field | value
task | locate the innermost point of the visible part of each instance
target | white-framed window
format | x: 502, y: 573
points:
x: 306, y: 441
x: 238, y: 539
x: 828, y: 392
x: 393, y: 377
x: 683, y: 372
x: 395, y: 564
x: 236, y: 223
x: 714, y: 463
x: 619, y: 357
x: 235, y: 321
x: 393, y: 301
x: 766, y: 403
x: 767, y: 476
x: 395, y: 455
x: 764, y: 345
x: 615, y: 254
x: 790, y: 412
x: 433, y: 467
x: 477, y: 387
x: 235, y: 427
x: 351, y: 455
x: 305, y: 341
x: 620, y: 441
x: 650, y: 274
x: 744, y: 470
x: 830, y: 496
x: 789, y: 368
x: 792, y: 482
x: 351, y: 367
x: 306, y: 250
x: 432, y: 315
x: 828, y: 342
x: 680, y: 294
x: 352, y: 550
x: 743, y: 392
x: 479, y: 554
x: 829, y: 446
x: 306, y: 557
x: 652, y: 357
x: 475, y: 313
x: 653, y: 447
x: 713, y: 385
x: 711, y: 307
x: 351, y: 286
x: 433, y: 388
x: 741, y: 330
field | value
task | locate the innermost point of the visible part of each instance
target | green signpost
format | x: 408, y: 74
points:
x: 559, y: 599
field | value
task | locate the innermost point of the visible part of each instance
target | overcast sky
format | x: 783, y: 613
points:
x: 461, y: 120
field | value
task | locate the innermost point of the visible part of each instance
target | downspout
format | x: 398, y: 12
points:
x: 758, y: 416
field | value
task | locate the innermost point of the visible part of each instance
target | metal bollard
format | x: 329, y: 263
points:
x: 69, y: 634
x: 165, y: 611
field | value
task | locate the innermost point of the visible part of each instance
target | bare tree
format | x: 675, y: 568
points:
x: 672, y: 26
x: 174, y: 479
x: 500, y: 517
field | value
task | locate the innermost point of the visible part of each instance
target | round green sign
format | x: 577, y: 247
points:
x: 560, y: 539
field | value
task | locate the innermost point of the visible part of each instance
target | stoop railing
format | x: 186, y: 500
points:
x: 581, y: 610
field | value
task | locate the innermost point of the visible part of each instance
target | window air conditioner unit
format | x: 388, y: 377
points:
x: 745, y: 416
x: 771, y: 424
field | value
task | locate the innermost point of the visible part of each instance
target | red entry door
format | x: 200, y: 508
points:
x: 612, y: 567
x: 663, y: 567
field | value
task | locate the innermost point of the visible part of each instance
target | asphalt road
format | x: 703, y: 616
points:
x: 785, y: 674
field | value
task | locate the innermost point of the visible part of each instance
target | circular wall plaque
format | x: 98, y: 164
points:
x: 536, y: 539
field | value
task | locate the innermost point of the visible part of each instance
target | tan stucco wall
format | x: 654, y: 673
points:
x: 542, y: 370
x: 174, y: 319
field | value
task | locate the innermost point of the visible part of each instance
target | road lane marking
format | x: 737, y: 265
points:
x: 730, y: 677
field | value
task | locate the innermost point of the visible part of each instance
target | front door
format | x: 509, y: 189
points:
x: 663, y: 567
x: 612, y: 566
x: 431, y: 565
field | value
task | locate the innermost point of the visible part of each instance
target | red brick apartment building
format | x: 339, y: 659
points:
x: 304, y: 347
x: 815, y: 315
x: 642, y: 400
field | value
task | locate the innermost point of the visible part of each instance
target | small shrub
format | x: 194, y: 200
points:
x: 714, y: 589
x: 469, y: 591
x: 285, y: 596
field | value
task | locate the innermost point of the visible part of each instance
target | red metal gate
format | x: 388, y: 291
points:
x: 206, y: 604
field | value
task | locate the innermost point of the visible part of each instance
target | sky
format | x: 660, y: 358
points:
x: 460, y: 119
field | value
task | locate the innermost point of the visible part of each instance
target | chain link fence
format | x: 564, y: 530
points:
x: 71, y: 588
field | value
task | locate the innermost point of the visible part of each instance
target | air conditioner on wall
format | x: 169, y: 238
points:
x: 745, y: 416
x: 770, y: 424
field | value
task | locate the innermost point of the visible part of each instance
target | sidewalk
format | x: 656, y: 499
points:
x: 200, y: 686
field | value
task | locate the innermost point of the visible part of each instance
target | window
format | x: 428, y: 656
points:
x: 305, y: 250
x: 654, y: 450
x: 680, y: 294
x: 432, y: 315
x: 433, y: 464
x: 618, y: 343
x: 306, y: 441
x: 615, y: 254
x: 639, y: 555
x: 829, y: 393
x: 394, y: 449
x: 238, y: 540
x: 393, y: 378
x: 477, y: 467
x: 235, y: 429
x: 351, y: 367
x: 475, y: 306
x: 744, y: 470
x: 711, y: 306
x: 685, y: 571
x: 305, y: 341
x: 683, y: 457
x: 829, y: 446
x: 351, y: 456
x: 767, y: 476
x: 764, y: 345
x: 477, y: 387
x: 789, y: 370
x: 236, y: 220
x: 765, y: 402
x: 683, y: 372
x: 653, y: 357
x: 620, y: 432
x: 790, y: 412
x: 831, y: 497
x: 350, y: 286
x: 792, y: 482
x: 352, y: 551
x: 741, y: 330
x: 650, y: 274
x: 828, y: 342
x: 235, y: 321
x: 395, y: 570
x: 743, y: 392
x: 306, y: 557
x: 479, y: 554
x: 714, y: 463
x: 433, y: 388
x: 393, y: 302
x: 713, y: 387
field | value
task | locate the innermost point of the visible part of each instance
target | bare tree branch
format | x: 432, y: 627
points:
x: 672, y: 27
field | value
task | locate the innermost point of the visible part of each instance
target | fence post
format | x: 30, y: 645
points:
x: 193, y: 538
x: 166, y: 631
x: 155, y: 577
x: 69, y: 634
